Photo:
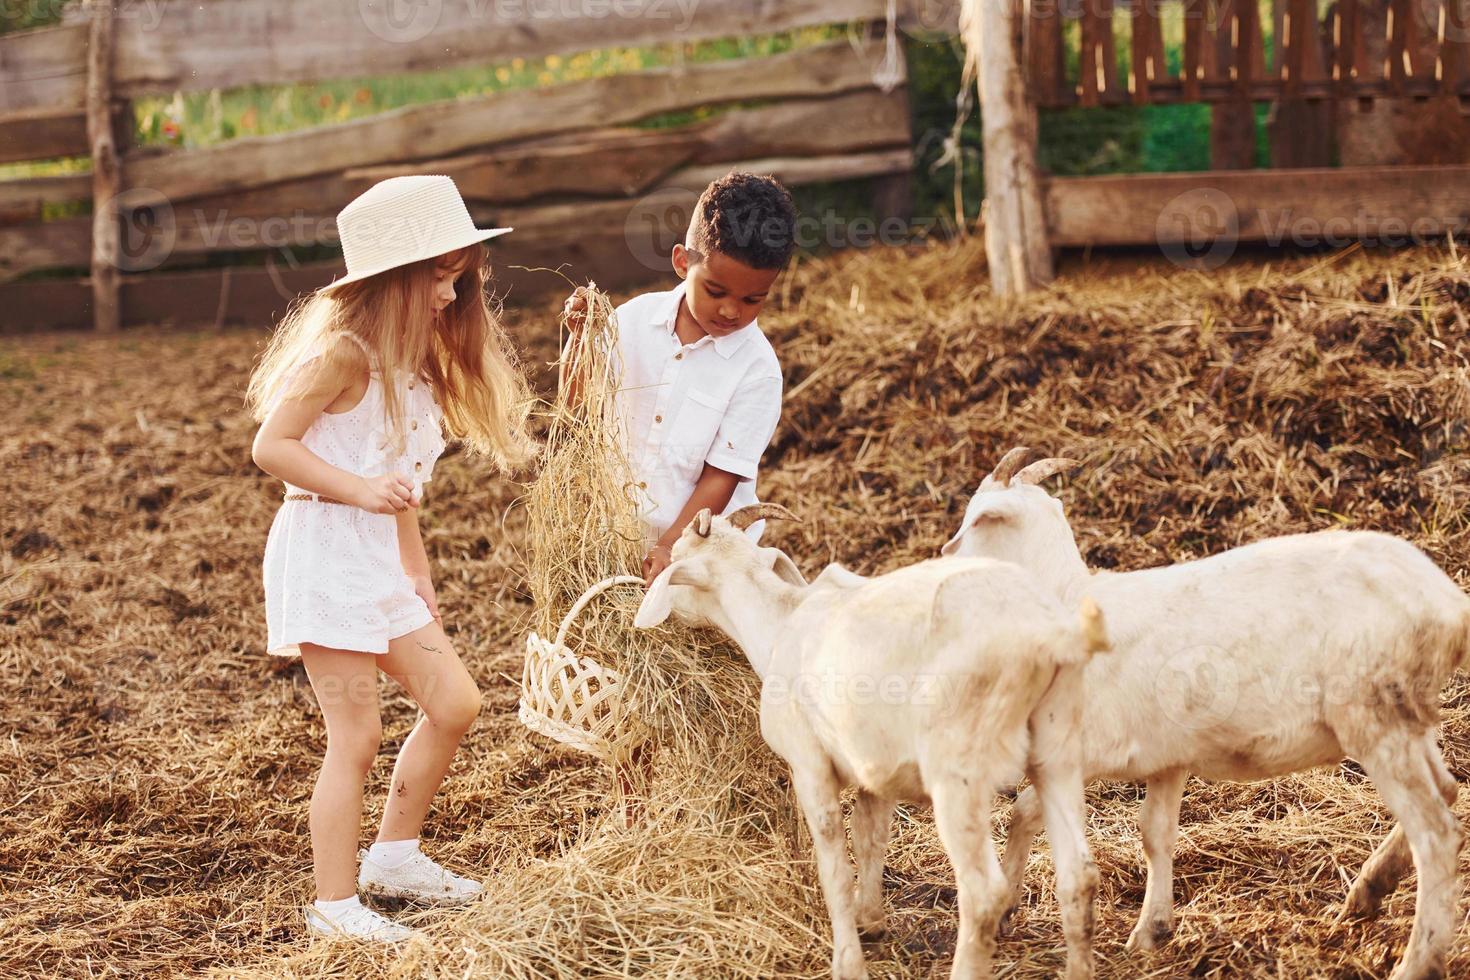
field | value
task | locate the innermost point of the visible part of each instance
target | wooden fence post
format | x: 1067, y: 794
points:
x: 1016, y: 247
x: 106, y: 232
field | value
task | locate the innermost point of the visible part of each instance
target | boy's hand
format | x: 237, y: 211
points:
x: 423, y: 587
x: 389, y: 494
x: 655, y: 561
x: 575, y: 310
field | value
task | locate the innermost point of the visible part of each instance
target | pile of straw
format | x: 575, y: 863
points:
x: 691, y: 687
x: 710, y: 795
x: 156, y: 766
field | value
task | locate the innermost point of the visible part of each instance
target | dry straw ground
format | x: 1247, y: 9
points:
x: 156, y: 765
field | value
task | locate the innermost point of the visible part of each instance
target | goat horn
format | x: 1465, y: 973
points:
x: 1009, y: 464
x: 1045, y: 468
x: 746, y: 516
x: 701, y: 523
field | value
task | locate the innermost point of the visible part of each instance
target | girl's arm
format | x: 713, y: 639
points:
x: 279, y: 451
x: 415, y: 560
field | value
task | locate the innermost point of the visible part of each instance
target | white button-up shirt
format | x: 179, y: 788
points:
x: 714, y: 401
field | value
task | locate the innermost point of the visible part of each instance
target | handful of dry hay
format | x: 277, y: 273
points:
x: 706, y: 880
x: 690, y: 688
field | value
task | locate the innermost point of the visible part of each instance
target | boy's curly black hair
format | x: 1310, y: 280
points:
x: 747, y: 217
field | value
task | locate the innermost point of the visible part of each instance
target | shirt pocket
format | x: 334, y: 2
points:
x: 695, y: 428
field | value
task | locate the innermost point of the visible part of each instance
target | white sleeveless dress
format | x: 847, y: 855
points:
x: 332, y: 572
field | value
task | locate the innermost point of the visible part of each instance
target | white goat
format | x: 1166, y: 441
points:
x: 947, y: 680
x: 1271, y: 658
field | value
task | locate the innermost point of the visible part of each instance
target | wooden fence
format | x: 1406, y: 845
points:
x: 1319, y: 51
x: 564, y: 164
x: 590, y: 191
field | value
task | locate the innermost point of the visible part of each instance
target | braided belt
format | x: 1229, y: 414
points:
x: 316, y: 497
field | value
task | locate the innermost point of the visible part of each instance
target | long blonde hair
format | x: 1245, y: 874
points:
x: 462, y: 353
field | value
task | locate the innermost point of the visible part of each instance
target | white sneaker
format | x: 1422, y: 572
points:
x: 418, y: 878
x: 359, y: 923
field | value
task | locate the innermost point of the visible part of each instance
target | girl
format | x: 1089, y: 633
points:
x: 351, y: 392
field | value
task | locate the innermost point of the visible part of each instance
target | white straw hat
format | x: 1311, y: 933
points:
x: 403, y: 220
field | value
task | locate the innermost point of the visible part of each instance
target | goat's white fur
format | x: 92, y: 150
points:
x: 1267, y: 659
x: 982, y: 670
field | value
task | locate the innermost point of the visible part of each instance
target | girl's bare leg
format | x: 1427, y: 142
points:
x: 346, y: 686
x: 425, y: 665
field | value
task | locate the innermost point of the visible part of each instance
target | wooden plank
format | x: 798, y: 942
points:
x: 1300, y: 132
x: 1347, y: 41
x: 1345, y: 203
x: 1046, y: 55
x: 1098, y: 58
x: 624, y: 162
x: 1192, y: 57
x: 257, y: 296
x: 1233, y: 122
x: 1250, y: 48
x: 46, y: 134
x: 444, y: 128
x: 106, y: 170
x: 41, y: 134
x: 44, y: 69
x: 1147, y: 62
x: 1455, y: 51
x: 28, y: 195
x: 247, y: 296
x: 1291, y: 48
x: 1367, y: 69
x: 191, y: 229
x: 1400, y: 31
x: 50, y: 245
x: 590, y: 163
x: 184, y: 45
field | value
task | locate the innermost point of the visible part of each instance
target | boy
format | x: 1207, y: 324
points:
x: 701, y: 386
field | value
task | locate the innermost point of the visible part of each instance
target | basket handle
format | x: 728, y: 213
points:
x: 588, y: 596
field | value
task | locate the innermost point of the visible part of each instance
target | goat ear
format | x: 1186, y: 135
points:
x: 657, y: 603
x: 991, y: 514
x: 778, y: 562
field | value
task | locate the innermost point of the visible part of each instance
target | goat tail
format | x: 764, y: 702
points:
x: 1094, y: 629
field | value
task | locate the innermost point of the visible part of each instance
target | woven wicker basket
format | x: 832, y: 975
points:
x: 574, y: 699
